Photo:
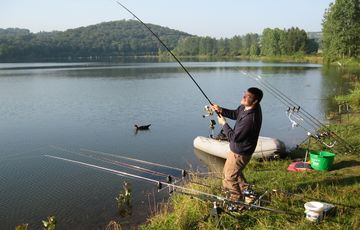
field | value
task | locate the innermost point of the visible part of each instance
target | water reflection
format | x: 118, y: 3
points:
x: 95, y: 106
x: 214, y: 164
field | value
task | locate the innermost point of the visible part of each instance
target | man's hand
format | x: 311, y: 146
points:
x: 216, y: 108
x: 221, y: 120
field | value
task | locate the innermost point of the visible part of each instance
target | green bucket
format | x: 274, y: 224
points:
x: 321, y: 160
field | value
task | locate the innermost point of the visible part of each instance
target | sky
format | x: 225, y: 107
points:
x: 217, y: 19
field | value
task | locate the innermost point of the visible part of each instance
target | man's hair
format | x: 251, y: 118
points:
x: 258, y: 94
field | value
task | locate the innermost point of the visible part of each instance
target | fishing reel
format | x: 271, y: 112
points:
x: 210, y: 112
x: 320, y: 136
x: 249, y: 194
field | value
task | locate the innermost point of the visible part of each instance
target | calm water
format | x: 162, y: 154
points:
x: 95, y: 105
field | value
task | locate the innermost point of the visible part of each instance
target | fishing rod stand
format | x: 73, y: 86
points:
x: 169, y: 181
x: 320, y: 136
x: 291, y: 116
x: 216, y: 210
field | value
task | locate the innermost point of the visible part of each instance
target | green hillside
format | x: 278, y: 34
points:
x: 116, y: 38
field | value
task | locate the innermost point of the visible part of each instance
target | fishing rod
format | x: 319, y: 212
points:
x: 167, y: 48
x: 130, y: 166
x: 169, y: 178
x: 107, y: 160
x: 294, y: 107
x: 312, y: 198
x: 280, y: 95
x: 113, y: 171
x: 171, y: 186
x: 183, y: 172
x: 317, y: 136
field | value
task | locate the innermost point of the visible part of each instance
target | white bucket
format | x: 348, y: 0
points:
x: 314, y: 211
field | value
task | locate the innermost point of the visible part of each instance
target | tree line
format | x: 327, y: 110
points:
x: 340, y: 39
x: 272, y: 42
x: 341, y: 30
x: 117, y: 38
x: 130, y: 38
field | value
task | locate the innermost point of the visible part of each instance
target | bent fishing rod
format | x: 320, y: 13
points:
x: 167, y: 48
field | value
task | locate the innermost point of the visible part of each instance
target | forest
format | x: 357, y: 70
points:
x: 130, y: 38
x: 338, y: 39
x: 116, y: 38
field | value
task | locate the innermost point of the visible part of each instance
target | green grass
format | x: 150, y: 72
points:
x: 288, y: 190
x: 340, y: 186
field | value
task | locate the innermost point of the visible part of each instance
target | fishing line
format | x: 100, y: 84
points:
x: 308, y: 118
x: 168, y: 177
x: 269, y: 87
x: 170, y: 185
x: 291, y: 109
x: 136, y: 160
x: 126, y: 165
x: 312, y: 198
x: 303, y: 118
x: 172, y: 54
x: 297, y: 107
x: 118, y: 163
x: 21, y: 155
x: 280, y: 96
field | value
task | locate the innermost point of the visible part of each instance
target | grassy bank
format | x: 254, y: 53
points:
x: 340, y: 187
x: 288, y: 190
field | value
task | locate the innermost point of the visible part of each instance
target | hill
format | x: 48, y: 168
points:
x: 116, y: 38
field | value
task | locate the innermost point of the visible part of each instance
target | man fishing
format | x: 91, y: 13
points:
x: 243, y: 139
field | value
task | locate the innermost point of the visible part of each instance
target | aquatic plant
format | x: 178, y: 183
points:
x: 123, y: 200
x: 49, y: 223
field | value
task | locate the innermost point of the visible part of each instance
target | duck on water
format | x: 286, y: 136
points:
x: 142, y: 127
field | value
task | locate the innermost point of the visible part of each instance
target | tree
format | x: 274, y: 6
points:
x: 250, y: 44
x: 296, y: 40
x: 124, y: 38
x: 223, y: 47
x: 270, y: 42
x: 207, y: 46
x: 341, y: 30
x: 235, y: 46
x: 188, y: 46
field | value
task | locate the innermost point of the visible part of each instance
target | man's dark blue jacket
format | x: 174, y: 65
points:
x: 244, y: 136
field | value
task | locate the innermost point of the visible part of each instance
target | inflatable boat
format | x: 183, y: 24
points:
x: 266, y: 147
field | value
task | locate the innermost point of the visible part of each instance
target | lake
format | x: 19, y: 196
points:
x: 61, y: 109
